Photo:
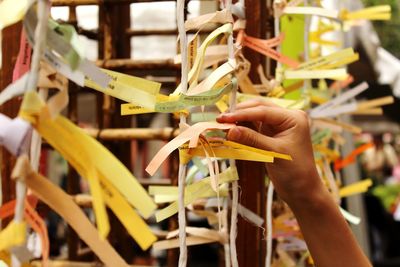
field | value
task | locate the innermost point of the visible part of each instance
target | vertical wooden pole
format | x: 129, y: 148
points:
x: 250, y: 240
x: 117, y: 24
x: 256, y: 23
x: 10, y: 49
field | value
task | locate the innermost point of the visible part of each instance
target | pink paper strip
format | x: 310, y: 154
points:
x: 23, y: 62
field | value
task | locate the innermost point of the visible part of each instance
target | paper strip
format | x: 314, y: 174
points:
x: 342, y: 163
x: 129, y: 88
x: 382, y: 12
x: 198, y: 64
x: 355, y: 188
x: 191, y: 132
x: 14, y: 134
x: 350, y: 217
x: 12, y: 12
x: 63, y: 204
x: 318, y: 11
x: 34, y: 111
x: 322, y: 62
x: 13, y: 235
x: 338, y: 74
x: 265, y: 47
x: 177, y: 103
x: 17, y: 88
x: 23, y: 62
x: 340, y: 99
x: 222, y: 17
x: 194, y: 191
x: 63, y: 39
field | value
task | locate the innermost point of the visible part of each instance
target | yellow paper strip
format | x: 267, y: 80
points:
x: 335, y: 74
x: 63, y: 204
x: 322, y: 62
x: 128, y: 88
x: 61, y: 134
x: 193, y: 191
x: 12, y: 12
x: 355, y: 188
x: 13, y: 235
x: 198, y: 63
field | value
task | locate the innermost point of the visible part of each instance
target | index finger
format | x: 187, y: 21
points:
x: 254, y: 103
x: 267, y: 114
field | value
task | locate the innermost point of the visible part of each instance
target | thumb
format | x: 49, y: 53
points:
x: 249, y: 137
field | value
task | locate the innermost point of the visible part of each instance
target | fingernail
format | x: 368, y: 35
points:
x: 234, y: 134
x: 227, y: 114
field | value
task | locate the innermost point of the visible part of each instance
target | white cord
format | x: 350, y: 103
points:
x: 32, y: 81
x: 40, y: 38
x: 225, y: 227
x: 182, y: 167
x: 233, y: 232
x: 270, y: 195
x: 232, y: 163
x: 182, y: 216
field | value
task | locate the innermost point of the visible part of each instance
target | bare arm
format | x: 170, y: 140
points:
x: 327, y: 234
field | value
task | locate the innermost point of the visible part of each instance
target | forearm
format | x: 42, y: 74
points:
x: 327, y: 234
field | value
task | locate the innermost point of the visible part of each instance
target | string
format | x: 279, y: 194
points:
x: 32, y: 81
x: 268, y: 257
x: 31, y: 84
x: 270, y: 195
x: 182, y: 167
x: 235, y: 186
x: 225, y: 226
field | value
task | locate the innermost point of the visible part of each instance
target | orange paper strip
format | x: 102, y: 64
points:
x: 342, y: 163
x: 265, y: 47
x: 33, y: 219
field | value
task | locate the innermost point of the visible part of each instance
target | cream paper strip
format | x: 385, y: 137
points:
x: 198, y: 63
x: 317, y: 11
x: 199, y: 22
x: 335, y: 74
x: 192, y: 132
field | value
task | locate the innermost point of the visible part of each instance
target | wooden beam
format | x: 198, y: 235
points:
x: 134, y: 64
x: 125, y: 134
x: 167, y: 32
x: 99, y: 2
x: 250, y: 242
x: 60, y: 263
x: 255, y: 27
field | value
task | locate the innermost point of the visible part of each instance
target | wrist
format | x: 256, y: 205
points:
x: 312, y: 197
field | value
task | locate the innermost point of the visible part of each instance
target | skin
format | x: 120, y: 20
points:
x: 297, y: 182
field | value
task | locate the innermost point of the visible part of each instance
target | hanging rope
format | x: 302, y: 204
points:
x: 31, y: 84
x: 180, y: 9
x: 232, y: 163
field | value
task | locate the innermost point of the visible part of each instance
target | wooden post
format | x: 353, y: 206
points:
x: 250, y: 240
x: 10, y: 49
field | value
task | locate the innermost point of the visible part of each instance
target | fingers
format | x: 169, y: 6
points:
x: 268, y: 115
x: 249, y: 137
x: 254, y: 103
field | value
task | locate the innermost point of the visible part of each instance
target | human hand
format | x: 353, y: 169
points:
x: 284, y: 131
